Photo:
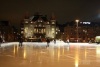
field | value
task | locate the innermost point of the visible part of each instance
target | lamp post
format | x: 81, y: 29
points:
x: 77, y: 21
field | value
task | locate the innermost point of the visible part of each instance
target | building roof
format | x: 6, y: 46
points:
x: 37, y: 17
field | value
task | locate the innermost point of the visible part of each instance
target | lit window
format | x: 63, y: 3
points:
x: 52, y: 29
x: 34, y: 30
x: 40, y: 25
x: 47, y: 22
x: 53, y: 22
x: 37, y: 30
x: 26, y: 21
x: 44, y: 30
x: 31, y: 31
x: 56, y: 32
x: 22, y: 32
x: 31, y: 22
x: 26, y: 29
x: 39, y: 20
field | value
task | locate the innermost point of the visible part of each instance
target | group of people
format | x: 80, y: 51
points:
x: 48, y: 41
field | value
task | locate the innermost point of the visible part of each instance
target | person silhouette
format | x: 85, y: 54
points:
x: 0, y: 41
x: 48, y: 41
x: 54, y: 41
x: 20, y: 41
x: 68, y: 41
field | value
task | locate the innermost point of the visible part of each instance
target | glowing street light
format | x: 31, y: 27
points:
x: 77, y: 21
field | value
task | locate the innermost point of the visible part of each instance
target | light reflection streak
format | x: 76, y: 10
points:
x: 52, y: 53
x: 17, y: 48
x: 68, y: 48
x: 85, y: 53
x: 58, y: 53
x: 14, y: 50
x: 77, y: 57
x: 98, y: 52
x: 63, y: 50
x: 24, y: 53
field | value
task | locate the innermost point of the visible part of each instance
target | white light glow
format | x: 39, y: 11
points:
x: 58, y: 43
x: 86, y: 22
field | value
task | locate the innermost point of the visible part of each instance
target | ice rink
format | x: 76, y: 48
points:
x: 36, y: 54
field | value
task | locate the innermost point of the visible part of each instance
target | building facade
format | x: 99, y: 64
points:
x: 37, y: 27
x: 86, y: 31
x: 7, y: 32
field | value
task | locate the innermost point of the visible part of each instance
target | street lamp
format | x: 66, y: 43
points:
x: 77, y: 28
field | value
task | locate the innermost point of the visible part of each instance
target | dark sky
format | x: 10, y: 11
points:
x: 64, y: 10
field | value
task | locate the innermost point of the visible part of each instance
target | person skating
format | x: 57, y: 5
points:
x: 54, y: 41
x: 0, y: 41
x: 20, y: 41
x: 48, y: 41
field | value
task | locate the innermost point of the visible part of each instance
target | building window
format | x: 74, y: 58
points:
x: 39, y: 20
x: 52, y: 29
x: 31, y: 22
x: 40, y: 25
x: 37, y: 30
x: 22, y: 32
x: 53, y: 22
x: 26, y: 21
x: 44, y: 30
x: 34, y: 30
x: 47, y: 22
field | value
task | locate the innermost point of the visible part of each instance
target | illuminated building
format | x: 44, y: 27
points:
x: 38, y: 26
x: 86, y: 31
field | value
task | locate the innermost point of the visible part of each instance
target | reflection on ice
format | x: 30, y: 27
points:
x: 24, y: 53
x: 35, y: 54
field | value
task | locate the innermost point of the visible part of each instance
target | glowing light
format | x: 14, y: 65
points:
x: 31, y: 22
x: 85, y: 22
x: 77, y: 21
x: 53, y: 22
x: 47, y: 22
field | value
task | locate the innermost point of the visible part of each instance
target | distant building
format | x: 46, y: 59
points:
x: 7, y: 32
x: 38, y: 26
x: 86, y: 31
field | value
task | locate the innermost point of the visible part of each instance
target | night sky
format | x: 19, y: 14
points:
x: 64, y: 10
